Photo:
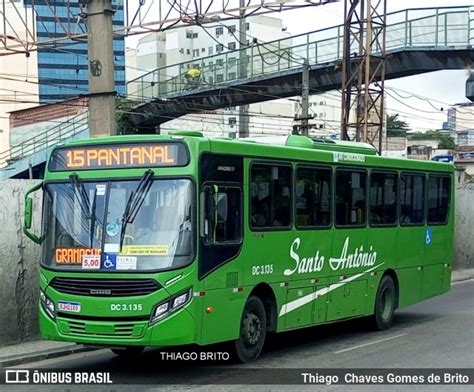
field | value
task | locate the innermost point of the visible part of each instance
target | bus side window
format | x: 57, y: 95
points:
x: 271, y: 196
x: 438, y: 199
x: 351, y: 196
x: 229, y: 230
x: 313, y: 197
x: 383, y: 198
x: 412, y: 198
x: 222, y: 226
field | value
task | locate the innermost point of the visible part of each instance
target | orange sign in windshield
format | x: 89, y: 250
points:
x: 73, y: 255
x: 120, y: 155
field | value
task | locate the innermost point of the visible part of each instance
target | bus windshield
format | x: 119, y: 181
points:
x: 118, y: 225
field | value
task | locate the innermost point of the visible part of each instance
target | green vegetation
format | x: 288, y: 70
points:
x: 445, y: 140
x: 396, y: 127
x: 122, y: 107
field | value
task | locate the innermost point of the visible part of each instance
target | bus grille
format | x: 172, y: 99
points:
x: 122, y: 330
x: 105, y: 287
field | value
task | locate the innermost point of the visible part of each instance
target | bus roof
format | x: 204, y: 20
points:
x: 279, y: 147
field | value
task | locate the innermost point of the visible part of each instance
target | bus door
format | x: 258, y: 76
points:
x: 348, y: 295
x: 221, y: 240
x: 383, y: 232
x: 411, y: 243
x: 437, y: 237
x: 312, y: 244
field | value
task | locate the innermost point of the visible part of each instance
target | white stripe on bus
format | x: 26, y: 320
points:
x: 297, y: 303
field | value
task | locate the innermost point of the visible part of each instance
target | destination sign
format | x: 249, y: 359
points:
x: 119, y: 156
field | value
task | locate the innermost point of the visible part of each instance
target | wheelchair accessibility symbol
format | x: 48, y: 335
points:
x: 428, y: 235
x: 109, y: 262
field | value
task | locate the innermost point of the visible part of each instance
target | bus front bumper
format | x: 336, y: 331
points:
x: 177, y: 329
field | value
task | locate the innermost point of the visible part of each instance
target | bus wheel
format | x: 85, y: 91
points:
x: 384, y: 304
x: 128, y: 352
x: 253, y: 329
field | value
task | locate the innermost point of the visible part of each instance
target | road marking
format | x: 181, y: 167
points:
x: 370, y: 343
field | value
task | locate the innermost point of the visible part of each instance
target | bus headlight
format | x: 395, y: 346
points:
x: 48, y: 305
x: 164, y: 309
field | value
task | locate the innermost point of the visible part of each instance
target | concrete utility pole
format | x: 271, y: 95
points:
x: 303, y: 128
x: 305, y: 99
x: 101, y: 68
x: 243, y: 109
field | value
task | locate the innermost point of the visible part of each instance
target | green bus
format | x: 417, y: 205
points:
x: 167, y: 240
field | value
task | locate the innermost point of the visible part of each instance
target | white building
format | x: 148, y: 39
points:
x: 19, y: 82
x: 193, y: 44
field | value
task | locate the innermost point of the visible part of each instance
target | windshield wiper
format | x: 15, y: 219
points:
x: 135, y: 201
x: 85, y: 204
x: 92, y: 220
x: 79, y: 188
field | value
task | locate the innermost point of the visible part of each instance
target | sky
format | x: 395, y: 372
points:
x: 443, y: 88
x: 420, y: 100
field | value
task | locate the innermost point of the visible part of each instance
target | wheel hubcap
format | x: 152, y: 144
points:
x: 252, y: 328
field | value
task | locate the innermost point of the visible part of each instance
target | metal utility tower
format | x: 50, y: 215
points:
x: 363, y: 71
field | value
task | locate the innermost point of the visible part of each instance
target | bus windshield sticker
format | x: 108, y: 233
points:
x: 101, y: 188
x: 348, y: 157
x: 126, y: 262
x: 112, y: 229
x: 91, y: 262
x: 118, y: 156
x: 73, y: 255
x: 144, y: 250
x: 109, y: 261
x: 111, y: 248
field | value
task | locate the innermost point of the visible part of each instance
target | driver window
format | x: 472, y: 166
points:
x: 227, y: 226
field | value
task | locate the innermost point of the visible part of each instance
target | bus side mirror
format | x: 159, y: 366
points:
x: 207, y: 220
x: 221, y: 207
x: 214, y: 210
x: 29, y: 214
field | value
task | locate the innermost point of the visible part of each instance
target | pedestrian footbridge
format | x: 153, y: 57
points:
x: 417, y: 40
x: 28, y: 158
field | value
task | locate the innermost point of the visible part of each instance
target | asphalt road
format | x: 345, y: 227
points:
x: 438, y: 333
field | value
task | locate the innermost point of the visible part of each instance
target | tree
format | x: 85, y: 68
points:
x: 445, y: 140
x: 122, y: 107
x: 396, y: 127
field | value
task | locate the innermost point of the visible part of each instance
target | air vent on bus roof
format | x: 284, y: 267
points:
x: 185, y: 133
x: 330, y: 145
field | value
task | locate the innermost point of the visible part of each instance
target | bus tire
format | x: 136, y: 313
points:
x: 253, y: 329
x: 385, y: 303
x: 128, y: 352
